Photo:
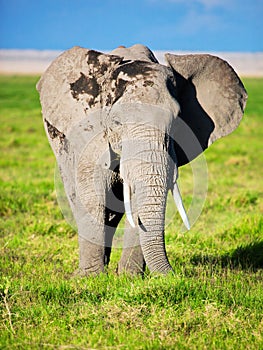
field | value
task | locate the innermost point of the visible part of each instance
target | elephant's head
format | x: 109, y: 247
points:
x: 154, y: 117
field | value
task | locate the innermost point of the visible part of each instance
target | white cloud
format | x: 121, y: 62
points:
x: 200, y: 15
x: 207, y: 4
x: 194, y: 22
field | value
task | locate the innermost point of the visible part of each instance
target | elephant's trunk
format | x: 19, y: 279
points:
x: 145, y: 171
x: 151, y: 202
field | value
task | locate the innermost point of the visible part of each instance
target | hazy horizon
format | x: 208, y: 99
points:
x: 28, y: 61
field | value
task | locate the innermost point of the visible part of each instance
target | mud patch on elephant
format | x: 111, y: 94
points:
x: 120, y: 89
x: 148, y: 83
x: 84, y: 84
x: 108, y: 79
x: 99, y: 63
x: 93, y: 57
x: 135, y: 69
x: 54, y: 132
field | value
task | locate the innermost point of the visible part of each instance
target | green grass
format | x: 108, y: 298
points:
x: 215, y: 298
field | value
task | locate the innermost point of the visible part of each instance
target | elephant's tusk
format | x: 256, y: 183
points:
x: 127, y: 203
x: 180, y: 205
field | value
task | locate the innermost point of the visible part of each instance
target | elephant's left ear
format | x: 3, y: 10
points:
x: 211, y: 96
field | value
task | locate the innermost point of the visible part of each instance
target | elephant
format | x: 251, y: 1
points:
x: 120, y: 125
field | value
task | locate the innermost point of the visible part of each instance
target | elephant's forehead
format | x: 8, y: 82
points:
x: 135, y: 69
x: 108, y: 78
x: 110, y: 66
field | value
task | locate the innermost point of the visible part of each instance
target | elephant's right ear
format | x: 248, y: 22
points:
x: 212, y: 100
x: 71, y: 86
x: 62, y: 86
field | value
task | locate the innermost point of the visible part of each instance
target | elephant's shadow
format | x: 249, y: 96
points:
x: 245, y: 257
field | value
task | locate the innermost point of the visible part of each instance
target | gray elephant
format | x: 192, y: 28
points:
x: 120, y: 126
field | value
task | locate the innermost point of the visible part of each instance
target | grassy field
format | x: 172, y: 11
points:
x: 215, y: 298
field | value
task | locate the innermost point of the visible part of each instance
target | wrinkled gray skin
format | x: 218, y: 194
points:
x: 123, y: 122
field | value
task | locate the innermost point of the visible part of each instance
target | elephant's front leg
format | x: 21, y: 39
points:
x: 90, y: 218
x: 91, y: 232
x: 102, y: 198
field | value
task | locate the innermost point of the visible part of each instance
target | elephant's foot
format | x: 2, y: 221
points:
x: 84, y: 273
x: 91, y: 258
x: 132, y: 261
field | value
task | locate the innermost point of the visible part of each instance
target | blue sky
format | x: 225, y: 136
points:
x: 195, y: 25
